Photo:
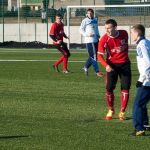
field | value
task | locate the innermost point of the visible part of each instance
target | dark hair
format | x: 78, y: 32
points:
x: 140, y: 29
x: 91, y: 10
x: 59, y: 15
x: 111, y: 21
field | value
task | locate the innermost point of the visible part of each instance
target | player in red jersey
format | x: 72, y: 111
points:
x: 117, y: 63
x: 57, y: 33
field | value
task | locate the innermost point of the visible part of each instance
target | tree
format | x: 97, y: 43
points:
x: 45, y: 4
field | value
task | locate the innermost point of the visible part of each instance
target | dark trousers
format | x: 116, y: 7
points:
x: 92, y: 60
x: 63, y: 49
x: 140, y: 115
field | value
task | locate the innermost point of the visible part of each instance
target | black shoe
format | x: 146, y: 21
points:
x: 56, y: 68
x: 137, y: 133
x: 146, y: 127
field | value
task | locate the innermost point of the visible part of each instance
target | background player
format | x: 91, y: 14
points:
x: 117, y: 63
x: 57, y: 33
x: 140, y: 114
x: 89, y: 29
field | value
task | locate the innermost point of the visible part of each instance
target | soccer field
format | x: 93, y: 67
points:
x: 44, y: 110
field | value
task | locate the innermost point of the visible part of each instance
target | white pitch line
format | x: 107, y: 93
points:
x: 29, y: 52
x: 73, y: 61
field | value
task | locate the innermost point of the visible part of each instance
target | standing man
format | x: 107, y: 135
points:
x: 57, y: 33
x: 89, y: 29
x: 140, y: 115
x: 117, y: 63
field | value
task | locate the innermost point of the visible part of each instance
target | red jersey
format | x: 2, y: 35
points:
x: 115, y: 47
x: 57, y: 30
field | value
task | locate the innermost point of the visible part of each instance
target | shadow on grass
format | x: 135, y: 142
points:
x: 13, y: 137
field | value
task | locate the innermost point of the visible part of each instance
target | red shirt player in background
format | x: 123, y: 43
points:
x: 117, y: 64
x: 57, y: 33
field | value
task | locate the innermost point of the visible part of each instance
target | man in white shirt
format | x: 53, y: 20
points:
x: 89, y: 30
x: 140, y: 114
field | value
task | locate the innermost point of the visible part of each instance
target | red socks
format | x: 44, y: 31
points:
x: 124, y: 99
x: 110, y: 99
x: 65, y: 63
x: 60, y: 60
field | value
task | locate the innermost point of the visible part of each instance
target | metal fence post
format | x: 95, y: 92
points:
x: 3, y: 17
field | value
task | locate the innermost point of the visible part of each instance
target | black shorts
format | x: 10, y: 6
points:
x: 63, y: 49
x: 123, y: 70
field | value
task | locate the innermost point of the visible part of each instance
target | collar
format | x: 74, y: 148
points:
x: 90, y: 18
x: 141, y: 38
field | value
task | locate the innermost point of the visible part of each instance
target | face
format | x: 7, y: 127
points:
x: 134, y: 35
x: 90, y: 14
x: 110, y: 29
x: 58, y: 19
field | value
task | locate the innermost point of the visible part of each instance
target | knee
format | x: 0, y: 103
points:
x: 110, y: 89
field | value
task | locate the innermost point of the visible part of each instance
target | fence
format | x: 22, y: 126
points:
x: 29, y: 20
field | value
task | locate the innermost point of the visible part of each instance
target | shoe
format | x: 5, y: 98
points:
x: 66, y: 71
x: 85, y: 71
x: 109, y: 115
x: 56, y: 68
x: 121, y: 116
x: 99, y: 74
x: 147, y: 127
x: 137, y: 133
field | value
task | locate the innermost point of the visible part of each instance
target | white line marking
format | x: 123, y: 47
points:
x: 23, y: 60
x: 74, y: 61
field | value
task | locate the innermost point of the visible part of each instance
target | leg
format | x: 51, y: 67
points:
x: 92, y: 50
x: 141, y: 100
x: 125, y: 78
x: 111, y: 80
x: 64, y: 50
x: 88, y: 62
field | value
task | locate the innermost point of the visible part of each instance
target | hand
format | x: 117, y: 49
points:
x: 139, y: 84
x: 59, y: 41
x: 91, y: 35
x: 67, y: 37
x: 108, y: 68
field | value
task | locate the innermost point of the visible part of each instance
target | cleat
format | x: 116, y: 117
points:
x: 56, y: 68
x: 121, y: 116
x: 109, y: 115
x: 99, y: 74
x: 66, y: 71
x: 137, y: 133
x: 146, y: 127
x: 85, y: 71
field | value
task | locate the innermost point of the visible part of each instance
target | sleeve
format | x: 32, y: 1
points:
x: 65, y: 36
x: 82, y: 28
x: 97, y: 30
x: 52, y: 29
x: 144, y: 70
x: 52, y: 32
x: 101, y: 51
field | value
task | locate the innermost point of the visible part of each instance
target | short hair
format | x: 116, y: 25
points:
x: 91, y: 10
x: 59, y: 15
x: 140, y: 29
x: 111, y: 21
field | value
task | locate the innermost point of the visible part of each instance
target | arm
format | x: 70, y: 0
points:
x: 101, y: 51
x: 104, y: 63
x: 97, y: 31
x: 65, y: 36
x: 53, y: 35
x: 82, y: 28
x: 144, y: 69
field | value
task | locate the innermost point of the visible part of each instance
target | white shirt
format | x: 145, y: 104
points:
x: 89, y: 26
x: 143, y: 61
